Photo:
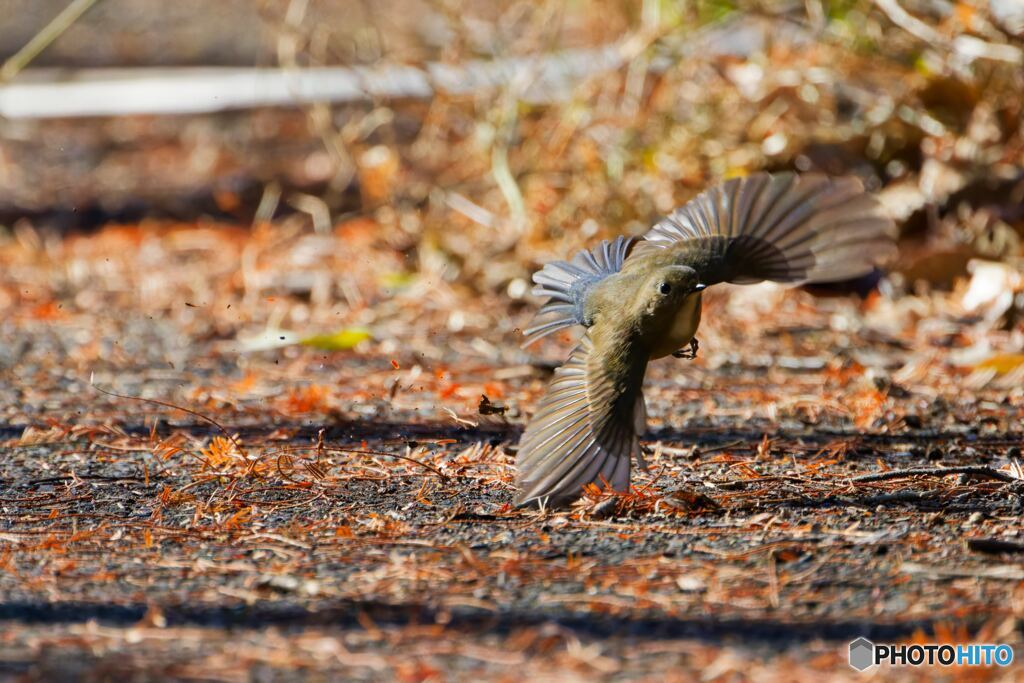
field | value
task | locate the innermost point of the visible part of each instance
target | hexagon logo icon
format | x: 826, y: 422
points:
x: 862, y: 654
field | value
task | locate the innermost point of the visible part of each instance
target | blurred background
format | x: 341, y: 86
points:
x: 325, y: 166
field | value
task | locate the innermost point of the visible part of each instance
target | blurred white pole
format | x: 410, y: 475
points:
x: 39, y: 93
x: 54, y: 93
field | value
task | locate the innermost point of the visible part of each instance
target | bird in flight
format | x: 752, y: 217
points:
x: 641, y: 299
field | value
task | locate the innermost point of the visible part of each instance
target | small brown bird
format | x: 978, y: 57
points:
x: 641, y: 300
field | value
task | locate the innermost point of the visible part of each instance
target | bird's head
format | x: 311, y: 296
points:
x: 665, y: 289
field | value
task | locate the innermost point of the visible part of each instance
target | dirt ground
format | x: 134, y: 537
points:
x: 349, y: 512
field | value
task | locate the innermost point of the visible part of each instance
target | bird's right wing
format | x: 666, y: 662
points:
x: 584, y: 431
x: 786, y: 228
x: 567, y: 285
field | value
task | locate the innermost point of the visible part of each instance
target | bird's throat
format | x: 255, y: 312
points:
x: 679, y: 330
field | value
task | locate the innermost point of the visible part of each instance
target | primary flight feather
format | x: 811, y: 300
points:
x: 641, y: 300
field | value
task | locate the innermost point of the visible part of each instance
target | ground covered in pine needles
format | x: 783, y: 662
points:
x: 190, y: 491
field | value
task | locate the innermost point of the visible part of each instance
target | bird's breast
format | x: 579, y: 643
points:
x: 679, y: 329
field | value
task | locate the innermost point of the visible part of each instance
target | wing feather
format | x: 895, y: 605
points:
x: 584, y: 431
x: 785, y: 227
x: 567, y: 285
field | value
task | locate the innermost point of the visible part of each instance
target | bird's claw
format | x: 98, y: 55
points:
x: 688, y: 353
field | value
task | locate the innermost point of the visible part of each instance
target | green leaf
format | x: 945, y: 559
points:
x: 341, y: 340
x: 396, y: 281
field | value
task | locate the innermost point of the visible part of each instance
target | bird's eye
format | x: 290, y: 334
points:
x: 664, y: 288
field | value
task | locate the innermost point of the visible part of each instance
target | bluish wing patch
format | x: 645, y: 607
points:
x: 567, y: 285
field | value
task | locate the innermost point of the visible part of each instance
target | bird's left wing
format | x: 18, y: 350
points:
x: 787, y: 227
x: 585, y: 430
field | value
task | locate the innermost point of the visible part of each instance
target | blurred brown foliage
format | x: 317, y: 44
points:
x: 491, y: 184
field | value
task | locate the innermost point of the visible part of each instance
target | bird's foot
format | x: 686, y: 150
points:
x: 688, y: 353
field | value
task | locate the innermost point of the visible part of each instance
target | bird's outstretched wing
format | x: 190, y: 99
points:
x: 568, y: 283
x: 585, y: 430
x: 785, y: 227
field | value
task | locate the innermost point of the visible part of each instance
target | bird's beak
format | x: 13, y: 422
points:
x: 699, y: 288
